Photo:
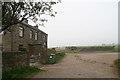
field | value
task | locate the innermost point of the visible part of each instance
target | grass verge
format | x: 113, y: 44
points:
x: 59, y: 57
x: 117, y: 63
x: 20, y: 73
x: 67, y: 51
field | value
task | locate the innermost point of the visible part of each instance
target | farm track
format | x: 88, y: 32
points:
x: 82, y: 65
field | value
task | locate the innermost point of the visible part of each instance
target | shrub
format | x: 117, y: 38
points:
x: 59, y: 56
x: 51, y: 51
x: 117, y: 63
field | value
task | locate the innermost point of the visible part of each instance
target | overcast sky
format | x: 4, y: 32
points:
x: 83, y: 23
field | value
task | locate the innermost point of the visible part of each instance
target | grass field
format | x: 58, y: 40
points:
x: 78, y: 49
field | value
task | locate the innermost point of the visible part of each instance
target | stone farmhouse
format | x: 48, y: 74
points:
x: 24, y: 37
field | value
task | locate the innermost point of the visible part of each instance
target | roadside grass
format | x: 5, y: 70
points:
x: 106, y: 51
x: 71, y: 51
x: 59, y: 57
x: 117, y: 63
x: 115, y: 51
x: 20, y: 73
x: 67, y: 51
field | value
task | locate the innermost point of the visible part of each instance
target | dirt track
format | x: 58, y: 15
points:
x: 82, y: 65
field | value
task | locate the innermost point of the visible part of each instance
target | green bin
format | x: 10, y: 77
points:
x: 52, y: 58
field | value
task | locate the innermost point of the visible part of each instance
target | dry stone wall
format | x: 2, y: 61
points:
x: 14, y: 60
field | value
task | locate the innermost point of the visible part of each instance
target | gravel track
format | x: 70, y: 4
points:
x: 82, y: 65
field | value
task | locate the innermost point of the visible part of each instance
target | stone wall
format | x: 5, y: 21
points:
x: 6, y: 41
x: 14, y: 60
x: 44, y: 56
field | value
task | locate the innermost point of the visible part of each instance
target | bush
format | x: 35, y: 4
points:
x: 59, y: 56
x: 117, y: 63
x: 51, y: 51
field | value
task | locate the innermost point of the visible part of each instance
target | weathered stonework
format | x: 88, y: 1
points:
x: 12, y: 41
x: 14, y: 60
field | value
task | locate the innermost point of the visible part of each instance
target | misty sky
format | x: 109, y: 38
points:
x: 83, y: 23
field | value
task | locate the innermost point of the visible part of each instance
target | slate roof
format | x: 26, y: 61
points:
x: 30, y: 26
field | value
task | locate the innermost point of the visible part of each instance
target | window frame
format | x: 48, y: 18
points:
x: 44, y: 37
x: 21, y: 31
x: 44, y: 43
x: 36, y: 35
x: 31, y: 34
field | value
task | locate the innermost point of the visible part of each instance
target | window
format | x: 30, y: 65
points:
x: 44, y: 44
x: 21, y: 47
x: 36, y: 36
x: 21, y: 31
x: 31, y: 34
x: 44, y: 37
x: 39, y: 54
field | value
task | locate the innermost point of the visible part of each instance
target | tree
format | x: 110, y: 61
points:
x: 15, y: 12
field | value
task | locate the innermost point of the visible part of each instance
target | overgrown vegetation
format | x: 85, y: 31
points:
x: 20, y: 73
x: 51, y: 51
x: 117, y: 63
x: 117, y: 48
x: 59, y: 56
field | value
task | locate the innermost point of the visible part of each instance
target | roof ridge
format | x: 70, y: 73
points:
x: 28, y: 25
